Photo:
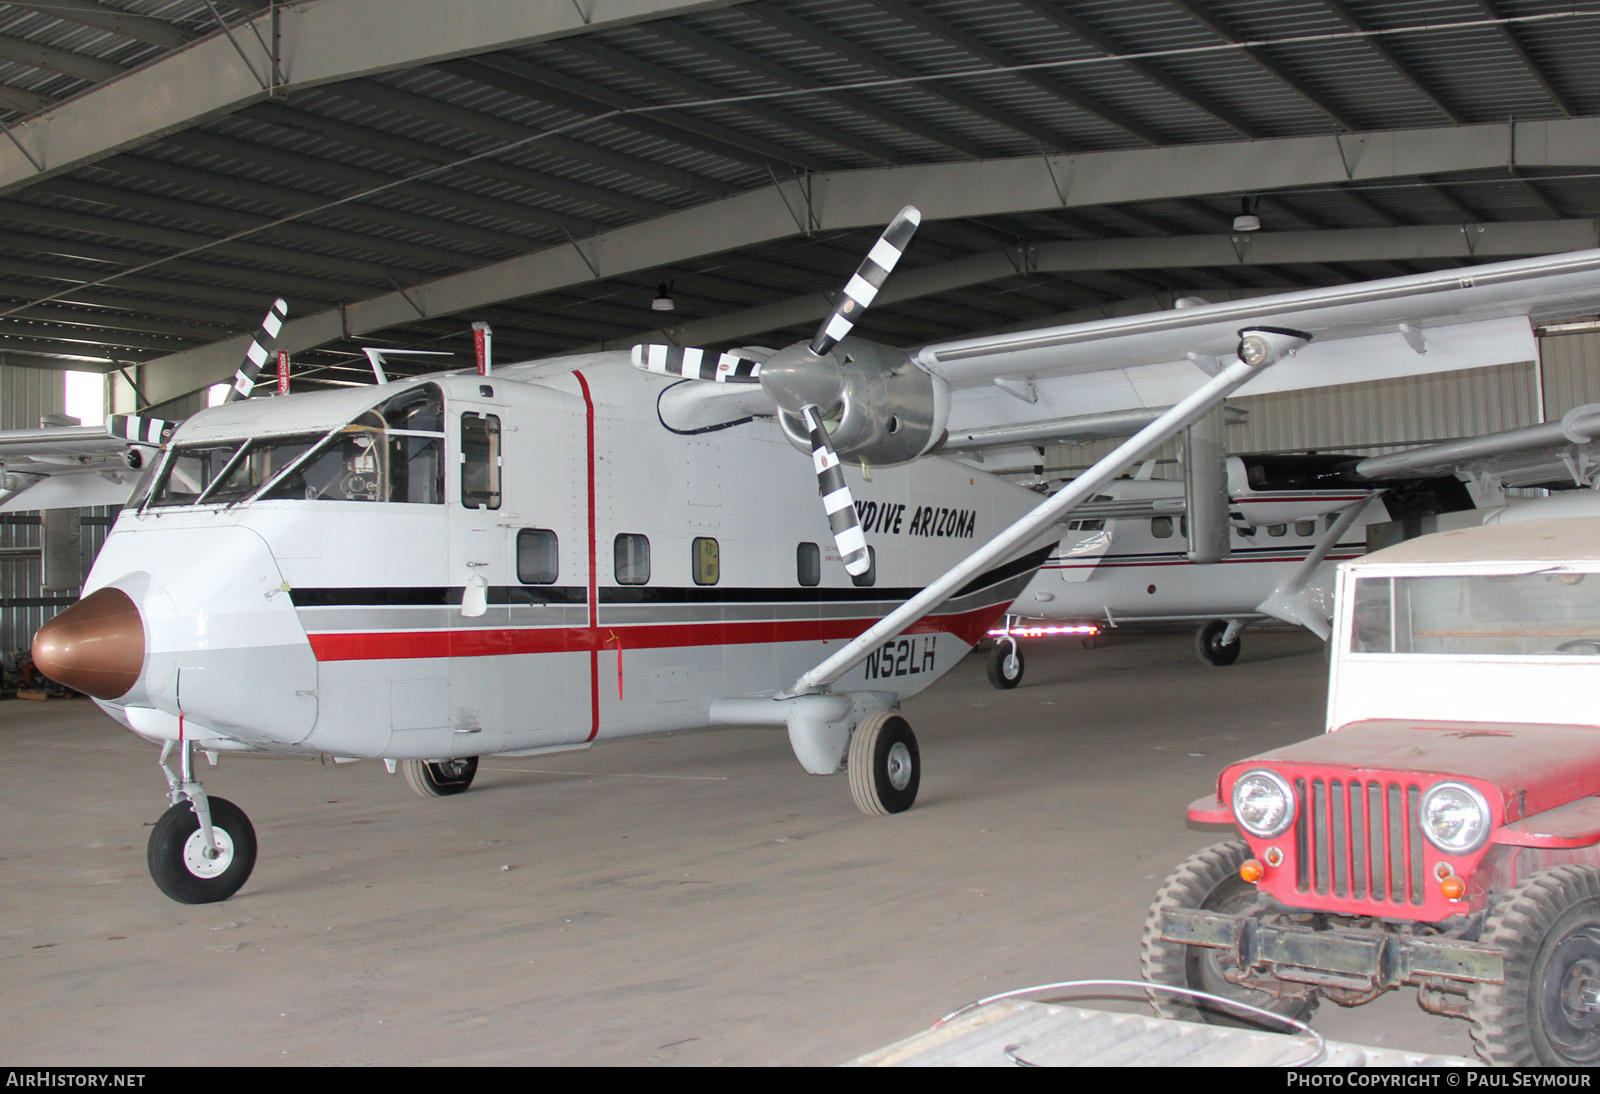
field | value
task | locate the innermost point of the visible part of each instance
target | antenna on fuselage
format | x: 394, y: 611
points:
x: 481, y: 348
x: 378, y: 358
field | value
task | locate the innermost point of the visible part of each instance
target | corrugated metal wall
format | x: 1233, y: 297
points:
x: 1571, y: 371
x: 24, y: 606
x: 26, y: 395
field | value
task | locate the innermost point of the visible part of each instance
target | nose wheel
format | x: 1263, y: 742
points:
x: 192, y: 870
x: 203, y: 848
x: 1005, y: 664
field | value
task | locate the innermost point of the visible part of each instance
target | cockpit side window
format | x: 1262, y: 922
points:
x: 392, y: 453
x: 348, y: 466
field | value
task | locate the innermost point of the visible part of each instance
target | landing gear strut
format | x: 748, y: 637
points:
x: 202, y: 849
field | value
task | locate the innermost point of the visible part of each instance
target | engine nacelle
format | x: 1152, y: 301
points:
x: 889, y: 410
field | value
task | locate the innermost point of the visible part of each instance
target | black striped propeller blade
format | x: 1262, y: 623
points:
x: 244, y: 381
x: 864, y: 284
x: 836, y: 498
x: 139, y: 429
x: 696, y: 364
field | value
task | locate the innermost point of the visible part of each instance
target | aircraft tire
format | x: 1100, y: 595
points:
x: 178, y: 865
x: 1210, y: 648
x: 885, y: 767
x: 1004, y: 666
x: 1208, y: 881
x: 1548, y: 930
x: 439, y: 780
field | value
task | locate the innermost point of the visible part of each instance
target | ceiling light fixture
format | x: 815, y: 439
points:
x: 1247, y: 220
x: 663, y: 300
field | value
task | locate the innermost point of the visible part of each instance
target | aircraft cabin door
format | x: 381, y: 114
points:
x: 475, y: 499
x: 519, y: 553
x: 1084, y: 545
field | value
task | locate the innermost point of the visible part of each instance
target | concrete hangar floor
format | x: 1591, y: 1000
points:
x: 694, y: 899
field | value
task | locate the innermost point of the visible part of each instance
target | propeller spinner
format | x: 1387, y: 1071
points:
x: 806, y: 381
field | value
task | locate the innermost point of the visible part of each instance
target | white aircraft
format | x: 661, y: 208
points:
x: 1127, y: 556
x: 541, y: 556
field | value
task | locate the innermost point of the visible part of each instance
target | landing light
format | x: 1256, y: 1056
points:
x: 1088, y: 630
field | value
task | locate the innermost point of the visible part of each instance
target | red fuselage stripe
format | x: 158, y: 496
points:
x: 509, y: 641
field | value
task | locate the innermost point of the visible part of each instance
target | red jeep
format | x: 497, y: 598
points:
x: 1444, y: 832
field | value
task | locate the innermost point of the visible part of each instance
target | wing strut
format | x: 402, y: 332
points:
x: 1252, y: 360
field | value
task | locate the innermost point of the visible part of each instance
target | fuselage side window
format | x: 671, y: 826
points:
x: 538, y: 556
x: 705, y: 561
x: 1276, y: 530
x: 1305, y: 527
x: 480, y: 461
x: 871, y: 576
x: 808, y: 564
x: 1161, y: 527
x: 630, y: 558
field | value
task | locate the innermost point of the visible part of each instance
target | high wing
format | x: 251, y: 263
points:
x: 71, y: 466
x: 1456, y: 319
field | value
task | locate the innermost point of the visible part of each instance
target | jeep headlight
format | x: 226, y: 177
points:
x: 1455, y: 818
x: 1263, y: 804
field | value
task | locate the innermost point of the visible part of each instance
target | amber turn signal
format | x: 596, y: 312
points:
x: 1252, y: 870
x: 1453, y: 887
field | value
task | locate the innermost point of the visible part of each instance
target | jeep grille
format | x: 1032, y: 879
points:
x: 1360, y: 840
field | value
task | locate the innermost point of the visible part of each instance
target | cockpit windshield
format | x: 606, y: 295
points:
x: 393, y: 452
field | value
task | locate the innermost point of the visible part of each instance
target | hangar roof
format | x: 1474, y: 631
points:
x: 398, y: 169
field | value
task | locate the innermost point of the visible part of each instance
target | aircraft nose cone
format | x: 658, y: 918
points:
x: 96, y: 646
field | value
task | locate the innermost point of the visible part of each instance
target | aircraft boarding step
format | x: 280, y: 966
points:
x: 1010, y: 1032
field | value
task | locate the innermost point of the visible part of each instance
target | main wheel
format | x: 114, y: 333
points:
x: 1210, y: 647
x: 1209, y: 881
x: 436, y: 780
x: 1548, y: 1010
x: 885, y: 768
x: 1005, y: 665
x: 178, y: 859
